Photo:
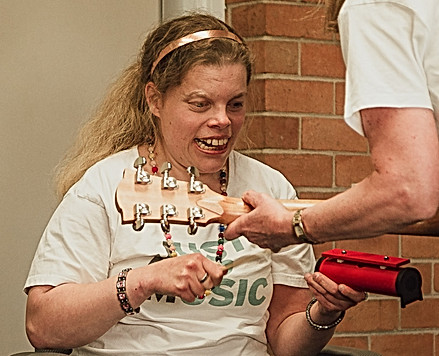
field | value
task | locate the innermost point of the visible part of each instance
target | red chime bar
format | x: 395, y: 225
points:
x: 372, y: 273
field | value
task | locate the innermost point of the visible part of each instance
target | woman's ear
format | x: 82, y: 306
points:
x: 153, y: 98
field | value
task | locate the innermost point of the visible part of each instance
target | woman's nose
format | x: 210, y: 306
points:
x: 220, y: 118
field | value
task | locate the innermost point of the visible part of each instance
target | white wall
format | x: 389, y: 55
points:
x: 56, y: 59
x: 171, y: 8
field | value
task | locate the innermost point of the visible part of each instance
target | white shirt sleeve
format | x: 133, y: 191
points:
x: 75, y: 246
x: 383, y: 47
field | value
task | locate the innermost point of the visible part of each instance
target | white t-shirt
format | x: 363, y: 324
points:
x: 85, y: 242
x: 391, y: 51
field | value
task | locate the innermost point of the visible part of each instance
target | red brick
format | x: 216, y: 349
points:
x: 351, y: 169
x: 289, y: 96
x: 304, y: 194
x: 298, y: 96
x: 258, y: 156
x: 421, y: 314
x: 372, y: 315
x: 420, y: 246
x: 296, y: 21
x: 249, y: 20
x: 275, y: 56
x: 331, y: 134
x: 403, y: 344
x: 233, y: 1
x: 425, y: 270
x: 304, y: 170
x: 272, y: 132
x: 280, y: 20
x: 322, y: 59
x: 252, y: 134
x: 358, y: 342
x: 436, y: 277
x: 339, y: 98
x: 256, y: 96
x: 281, y: 132
x: 300, y: 170
x: 383, y: 245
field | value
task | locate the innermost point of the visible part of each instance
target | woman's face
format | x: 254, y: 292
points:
x: 201, y: 118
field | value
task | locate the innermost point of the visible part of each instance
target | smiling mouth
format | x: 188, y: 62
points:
x: 212, y: 144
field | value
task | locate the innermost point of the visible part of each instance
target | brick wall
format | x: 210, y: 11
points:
x: 297, y: 127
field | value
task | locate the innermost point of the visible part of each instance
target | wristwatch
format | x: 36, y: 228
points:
x: 299, y: 230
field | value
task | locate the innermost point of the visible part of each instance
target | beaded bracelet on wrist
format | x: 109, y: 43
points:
x: 318, y: 326
x: 122, y: 293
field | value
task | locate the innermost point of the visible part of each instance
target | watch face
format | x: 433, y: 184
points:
x: 299, y: 229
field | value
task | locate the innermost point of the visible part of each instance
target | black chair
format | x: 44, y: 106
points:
x: 45, y: 352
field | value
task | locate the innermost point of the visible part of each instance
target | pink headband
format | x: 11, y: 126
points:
x: 196, y: 36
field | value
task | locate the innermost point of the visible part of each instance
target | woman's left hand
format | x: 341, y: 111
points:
x: 332, y: 297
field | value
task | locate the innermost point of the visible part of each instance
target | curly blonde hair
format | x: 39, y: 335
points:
x: 123, y: 119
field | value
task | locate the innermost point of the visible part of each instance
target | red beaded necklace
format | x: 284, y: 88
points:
x: 152, y: 161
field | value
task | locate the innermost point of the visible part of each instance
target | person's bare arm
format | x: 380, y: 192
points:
x: 402, y: 189
x: 71, y: 315
x: 288, y: 331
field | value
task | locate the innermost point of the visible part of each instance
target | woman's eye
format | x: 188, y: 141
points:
x: 236, y: 105
x: 199, y: 104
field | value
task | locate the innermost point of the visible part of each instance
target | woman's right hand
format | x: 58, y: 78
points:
x: 182, y: 276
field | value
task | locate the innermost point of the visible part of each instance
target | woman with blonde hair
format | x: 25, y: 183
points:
x: 100, y: 287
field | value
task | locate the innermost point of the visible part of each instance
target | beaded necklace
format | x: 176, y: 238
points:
x: 221, y: 227
x: 152, y: 161
x: 168, y: 243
